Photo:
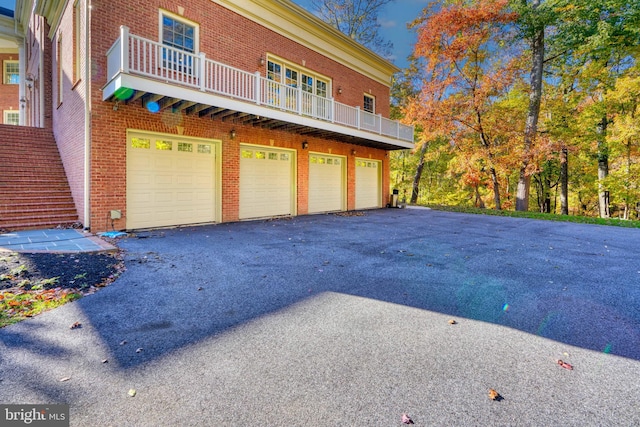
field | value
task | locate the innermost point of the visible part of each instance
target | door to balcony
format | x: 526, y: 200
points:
x: 171, y: 180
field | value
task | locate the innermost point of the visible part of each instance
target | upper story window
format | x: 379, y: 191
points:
x: 11, y: 72
x: 291, y: 75
x: 369, y: 103
x: 181, y: 35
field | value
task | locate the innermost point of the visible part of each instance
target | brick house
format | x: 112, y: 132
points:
x: 169, y: 113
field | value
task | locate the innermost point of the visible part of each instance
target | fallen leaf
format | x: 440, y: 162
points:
x: 76, y: 325
x: 105, y: 360
x: 123, y: 342
x: 64, y: 379
x: 452, y: 322
x: 494, y: 395
x: 139, y: 350
x: 406, y: 419
x: 132, y: 392
x: 565, y: 365
x: 200, y: 288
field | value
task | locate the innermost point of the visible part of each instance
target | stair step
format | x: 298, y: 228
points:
x: 34, y: 191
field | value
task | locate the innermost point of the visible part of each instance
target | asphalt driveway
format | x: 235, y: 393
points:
x: 344, y: 320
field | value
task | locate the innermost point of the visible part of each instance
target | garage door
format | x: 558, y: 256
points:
x: 368, y: 187
x: 326, y: 183
x: 266, y: 182
x: 170, y: 180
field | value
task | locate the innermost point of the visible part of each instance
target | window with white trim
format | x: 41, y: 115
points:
x: 181, y: 38
x: 11, y: 72
x: 369, y: 103
x: 295, y: 76
x: 11, y: 117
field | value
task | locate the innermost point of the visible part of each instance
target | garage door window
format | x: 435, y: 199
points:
x: 247, y: 154
x: 164, y: 145
x: 260, y: 155
x: 185, y: 146
x: 204, y: 148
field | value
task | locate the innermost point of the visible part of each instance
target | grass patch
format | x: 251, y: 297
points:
x: 15, y: 307
x: 539, y: 215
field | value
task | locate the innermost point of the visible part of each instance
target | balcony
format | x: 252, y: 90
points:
x: 147, y: 71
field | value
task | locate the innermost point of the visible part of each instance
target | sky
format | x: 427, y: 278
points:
x: 8, y: 4
x: 393, y: 26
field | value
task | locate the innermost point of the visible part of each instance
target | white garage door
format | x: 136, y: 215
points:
x: 170, y: 180
x: 326, y: 183
x: 368, y: 176
x: 266, y: 182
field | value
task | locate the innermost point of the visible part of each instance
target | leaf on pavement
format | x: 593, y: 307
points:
x: 64, y: 379
x: 132, y: 392
x: 494, y: 395
x: 76, y: 325
x: 406, y: 419
x: 452, y: 322
x: 565, y: 365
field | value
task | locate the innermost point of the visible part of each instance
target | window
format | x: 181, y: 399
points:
x: 11, y: 72
x: 11, y: 117
x: 369, y: 103
x: 294, y: 76
x: 77, y: 39
x: 59, y: 63
x: 181, y: 38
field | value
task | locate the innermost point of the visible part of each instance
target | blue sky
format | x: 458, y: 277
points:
x: 393, y: 22
x: 8, y: 4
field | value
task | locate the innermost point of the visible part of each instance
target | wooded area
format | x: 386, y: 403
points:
x: 520, y: 97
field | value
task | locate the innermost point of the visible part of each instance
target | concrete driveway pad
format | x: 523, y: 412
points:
x: 344, y: 320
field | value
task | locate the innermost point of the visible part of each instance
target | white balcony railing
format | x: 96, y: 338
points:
x: 131, y: 54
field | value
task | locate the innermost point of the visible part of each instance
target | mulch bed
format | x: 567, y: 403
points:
x: 78, y: 271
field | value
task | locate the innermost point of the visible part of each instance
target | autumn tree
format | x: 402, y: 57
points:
x: 357, y: 19
x: 468, y: 65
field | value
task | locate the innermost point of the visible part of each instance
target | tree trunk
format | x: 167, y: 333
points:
x: 564, y: 182
x: 496, y: 189
x: 603, y: 170
x: 418, y: 175
x: 533, y: 113
x: 479, y: 203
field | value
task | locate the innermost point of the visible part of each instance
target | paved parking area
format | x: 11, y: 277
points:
x: 344, y: 320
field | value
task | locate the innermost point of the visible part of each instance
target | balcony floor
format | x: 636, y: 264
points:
x: 175, y: 98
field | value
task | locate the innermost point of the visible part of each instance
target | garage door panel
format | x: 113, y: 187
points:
x: 168, y: 181
x: 368, y: 185
x: 326, y: 183
x: 266, y: 182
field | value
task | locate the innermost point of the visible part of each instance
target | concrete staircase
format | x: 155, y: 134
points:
x: 34, y: 191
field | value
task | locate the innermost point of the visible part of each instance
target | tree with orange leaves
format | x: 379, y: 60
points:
x: 468, y: 65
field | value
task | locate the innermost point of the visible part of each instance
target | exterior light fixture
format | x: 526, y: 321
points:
x: 29, y: 80
x: 261, y: 60
x: 353, y: 152
x: 340, y: 90
x: 232, y: 134
x: 305, y: 145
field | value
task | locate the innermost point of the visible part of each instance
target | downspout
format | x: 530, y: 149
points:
x: 87, y: 117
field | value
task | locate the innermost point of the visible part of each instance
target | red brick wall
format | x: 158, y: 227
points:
x: 226, y: 37
x: 68, y: 116
x: 9, y: 93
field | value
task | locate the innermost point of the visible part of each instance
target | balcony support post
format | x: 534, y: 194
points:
x: 357, y: 117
